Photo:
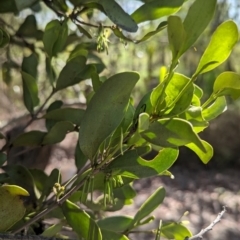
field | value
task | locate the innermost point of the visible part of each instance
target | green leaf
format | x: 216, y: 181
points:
x: 227, y: 83
x: 3, y: 158
x: 198, y: 17
x: 175, y: 231
x: 30, y: 92
x: 58, y: 132
x: 133, y: 166
x: 50, y: 71
x: 53, y: 106
x: 30, y: 139
x: 176, y: 35
x: 12, y: 209
x: 115, y: 223
x: 159, y: 28
x: 19, y: 175
x: 29, y: 65
x: 115, y: 12
x: 218, y: 107
x: 220, y: 47
x: 105, y: 111
x: 194, y: 115
x: 204, y: 156
x: 84, y: 31
x: 73, y: 115
x: 4, y: 40
x: 80, y: 158
x: 179, y: 93
x: 71, y: 73
x: 124, y: 192
x: 153, y: 10
x: 54, y: 37
x: 109, y: 235
x: 172, y: 132
x: 28, y: 28
x: 53, y: 230
x: 81, y: 222
x: 150, y: 205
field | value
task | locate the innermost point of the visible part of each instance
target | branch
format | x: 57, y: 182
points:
x: 210, y: 227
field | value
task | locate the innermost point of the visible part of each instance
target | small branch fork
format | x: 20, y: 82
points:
x: 210, y: 227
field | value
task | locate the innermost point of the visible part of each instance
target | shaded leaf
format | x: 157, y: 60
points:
x: 80, y: 158
x: 105, y: 111
x: 3, y: 158
x: 116, y: 14
x: 198, y: 17
x: 81, y: 222
x: 156, y: 9
x: 29, y: 65
x: 28, y: 28
x: 222, y: 42
x: 30, y: 92
x: 109, y: 235
x: 73, y: 115
x: 28, y: 139
x: 84, y: 31
x: 4, y: 37
x: 133, y: 166
x: 176, y: 35
x: 71, y: 72
x: 115, y: 223
x: 58, y: 132
x: 150, y: 205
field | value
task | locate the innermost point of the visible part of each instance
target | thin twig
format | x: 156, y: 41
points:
x: 209, y: 228
x: 53, y: 206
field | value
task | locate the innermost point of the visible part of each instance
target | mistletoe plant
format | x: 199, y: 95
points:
x: 114, y: 132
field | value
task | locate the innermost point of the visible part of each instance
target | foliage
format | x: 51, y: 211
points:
x: 115, y: 133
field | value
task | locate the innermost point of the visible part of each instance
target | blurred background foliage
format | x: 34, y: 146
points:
x: 149, y: 58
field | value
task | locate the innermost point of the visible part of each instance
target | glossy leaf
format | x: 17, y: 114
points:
x: 58, y: 132
x: 175, y: 231
x: 227, y: 83
x: 32, y: 138
x: 30, y: 92
x: 153, y: 10
x: 115, y: 223
x: 222, y: 42
x: 198, y: 17
x: 171, y: 133
x: 73, y: 115
x: 204, y: 156
x: 133, y: 166
x: 176, y: 35
x: 71, y: 73
x: 105, y: 111
x: 81, y: 222
x: 218, y: 107
x: 150, y: 204
x: 115, y: 13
